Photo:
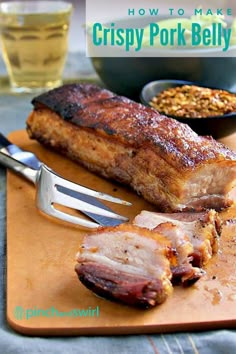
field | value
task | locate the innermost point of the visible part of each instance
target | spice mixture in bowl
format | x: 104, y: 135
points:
x: 194, y: 101
x: 207, y: 110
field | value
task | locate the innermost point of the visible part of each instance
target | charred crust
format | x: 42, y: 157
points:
x: 90, y: 106
x: 121, y: 287
x: 186, y: 275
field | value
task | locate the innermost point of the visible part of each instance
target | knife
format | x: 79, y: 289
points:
x: 31, y: 160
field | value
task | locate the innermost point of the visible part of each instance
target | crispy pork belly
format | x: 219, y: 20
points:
x: 162, y: 159
x: 182, y: 269
x: 194, y: 235
x: 127, y: 264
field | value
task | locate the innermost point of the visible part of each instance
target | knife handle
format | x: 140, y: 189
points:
x: 4, y: 142
x: 7, y: 147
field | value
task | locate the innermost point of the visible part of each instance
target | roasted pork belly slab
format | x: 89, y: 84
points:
x: 127, y: 264
x: 163, y: 160
x: 195, y: 236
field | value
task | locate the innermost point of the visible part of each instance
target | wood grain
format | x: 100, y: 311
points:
x: 43, y: 288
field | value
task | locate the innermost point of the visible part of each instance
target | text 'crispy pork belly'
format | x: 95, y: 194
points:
x: 163, y: 160
x: 195, y: 236
x: 127, y: 264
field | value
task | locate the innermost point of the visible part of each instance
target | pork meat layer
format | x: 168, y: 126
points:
x: 195, y: 236
x: 127, y: 264
x: 161, y: 159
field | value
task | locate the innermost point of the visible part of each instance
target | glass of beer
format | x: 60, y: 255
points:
x: 34, y: 36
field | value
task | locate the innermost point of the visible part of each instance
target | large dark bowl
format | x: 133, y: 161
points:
x: 127, y: 76
x: 218, y: 126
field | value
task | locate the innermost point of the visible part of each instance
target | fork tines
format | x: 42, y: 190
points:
x: 56, y: 188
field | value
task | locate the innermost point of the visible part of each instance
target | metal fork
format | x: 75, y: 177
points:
x: 48, y: 192
x: 31, y: 160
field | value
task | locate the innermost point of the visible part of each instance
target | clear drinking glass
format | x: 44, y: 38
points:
x: 34, y: 36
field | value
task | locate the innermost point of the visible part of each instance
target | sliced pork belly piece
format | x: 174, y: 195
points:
x: 127, y: 264
x: 162, y: 159
x: 201, y: 230
x: 182, y: 269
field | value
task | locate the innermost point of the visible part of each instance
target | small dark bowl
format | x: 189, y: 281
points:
x: 218, y: 126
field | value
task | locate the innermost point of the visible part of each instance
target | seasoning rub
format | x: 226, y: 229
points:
x: 194, y: 102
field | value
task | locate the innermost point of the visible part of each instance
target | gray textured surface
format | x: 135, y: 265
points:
x: 13, y: 111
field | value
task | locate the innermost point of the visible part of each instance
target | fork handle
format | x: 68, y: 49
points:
x: 19, y: 167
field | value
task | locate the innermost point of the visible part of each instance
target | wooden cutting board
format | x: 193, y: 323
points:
x: 44, y: 296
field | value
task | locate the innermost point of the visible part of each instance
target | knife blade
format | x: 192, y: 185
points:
x: 31, y: 160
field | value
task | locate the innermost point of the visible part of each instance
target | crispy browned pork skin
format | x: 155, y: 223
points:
x: 195, y: 236
x: 126, y: 264
x: 163, y: 160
